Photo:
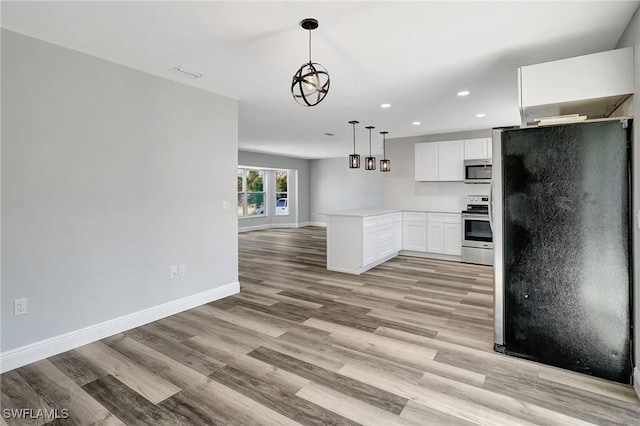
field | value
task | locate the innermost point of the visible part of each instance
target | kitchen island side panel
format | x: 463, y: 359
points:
x: 344, y: 243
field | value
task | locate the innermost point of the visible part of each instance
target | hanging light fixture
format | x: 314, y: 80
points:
x: 370, y: 162
x: 385, y: 165
x: 354, y: 159
x: 310, y: 83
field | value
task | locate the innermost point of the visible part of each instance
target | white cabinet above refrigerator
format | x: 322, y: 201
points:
x: 590, y: 85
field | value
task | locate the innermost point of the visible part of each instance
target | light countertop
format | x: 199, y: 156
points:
x: 363, y: 212
x: 377, y: 211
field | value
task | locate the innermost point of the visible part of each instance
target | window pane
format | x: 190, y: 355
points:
x: 255, y: 180
x: 255, y: 204
x: 282, y: 204
x: 281, y: 180
x: 239, y: 180
x: 240, y: 204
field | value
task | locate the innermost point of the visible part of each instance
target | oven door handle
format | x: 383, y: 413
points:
x: 475, y: 216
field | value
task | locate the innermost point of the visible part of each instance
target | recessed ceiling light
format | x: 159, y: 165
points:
x: 385, y: 105
x: 481, y: 115
x: 463, y: 93
x: 416, y: 123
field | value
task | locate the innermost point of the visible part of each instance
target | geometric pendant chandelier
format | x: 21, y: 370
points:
x: 311, y: 82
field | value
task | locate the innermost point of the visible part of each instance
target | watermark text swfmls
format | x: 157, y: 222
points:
x: 39, y: 413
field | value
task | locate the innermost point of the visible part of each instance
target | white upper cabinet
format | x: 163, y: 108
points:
x: 477, y: 149
x: 439, y: 161
x: 586, y: 85
x: 426, y: 158
x: 451, y: 161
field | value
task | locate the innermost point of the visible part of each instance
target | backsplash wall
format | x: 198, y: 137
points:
x: 401, y: 190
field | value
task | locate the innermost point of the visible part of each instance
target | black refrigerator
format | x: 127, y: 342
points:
x: 560, y: 216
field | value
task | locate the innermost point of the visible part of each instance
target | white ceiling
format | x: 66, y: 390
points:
x: 414, y: 55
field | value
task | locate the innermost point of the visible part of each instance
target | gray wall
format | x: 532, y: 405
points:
x: 300, y: 188
x: 402, y: 191
x: 631, y: 37
x: 334, y: 186
x: 109, y: 176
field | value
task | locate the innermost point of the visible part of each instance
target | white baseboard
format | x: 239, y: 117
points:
x: 320, y: 224
x: 33, y: 352
x: 280, y: 225
x: 254, y: 228
x: 437, y: 256
x: 284, y: 225
x: 636, y: 381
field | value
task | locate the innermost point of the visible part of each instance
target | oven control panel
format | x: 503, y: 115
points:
x: 478, y: 200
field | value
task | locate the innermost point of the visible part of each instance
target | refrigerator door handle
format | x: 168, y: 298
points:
x: 491, y: 204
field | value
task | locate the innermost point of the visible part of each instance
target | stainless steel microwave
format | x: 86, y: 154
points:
x: 477, y: 171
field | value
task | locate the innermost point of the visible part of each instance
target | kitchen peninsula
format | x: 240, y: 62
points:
x: 358, y: 240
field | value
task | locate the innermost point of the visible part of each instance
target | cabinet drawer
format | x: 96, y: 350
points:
x: 384, y: 219
x: 414, y: 216
x: 444, y: 217
x: 369, y: 221
x: 385, y: 231
x: 397, y: 217
x: 385, y: 243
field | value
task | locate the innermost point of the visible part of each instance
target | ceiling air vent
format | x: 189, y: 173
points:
x: 186, y: 72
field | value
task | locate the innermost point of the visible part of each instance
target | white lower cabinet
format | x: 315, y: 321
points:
x: 453, y: 239
x: 357, y: 243
x: 397, y: 231
x: 384, y: 243
x: 369, y: 245
x: 444, y: 234
x: 414, y: 231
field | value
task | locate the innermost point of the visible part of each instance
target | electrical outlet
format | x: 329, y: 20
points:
x: 20, y: 306
x: 173, y: 272
x: 182, y: 270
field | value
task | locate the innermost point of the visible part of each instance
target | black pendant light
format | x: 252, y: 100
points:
x: 385, y: 165
x: 354, y: 159
x: 370, y: 162
x: 310, y: 83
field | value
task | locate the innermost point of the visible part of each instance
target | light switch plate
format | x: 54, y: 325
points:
x: 173, y: 272
x: 226, y: 206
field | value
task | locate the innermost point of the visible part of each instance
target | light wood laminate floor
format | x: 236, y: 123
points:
x: 409, y: 342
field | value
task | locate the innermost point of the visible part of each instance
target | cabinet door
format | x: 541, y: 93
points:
x: 426, y: 159
x: 397, y: 236
x: 435, y: 236
x: 369, y: 245
x: 475, y: 149
x: 414, y: 236
x: 489, y: 148
x: 385, y: 240
x: 451, y: 161
x: 453, y: 239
